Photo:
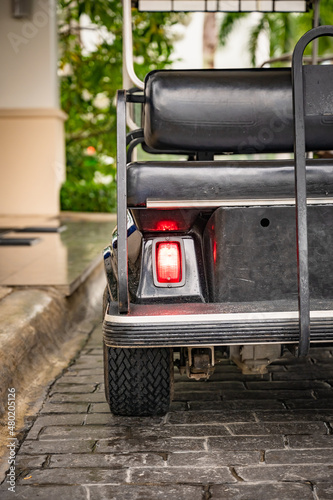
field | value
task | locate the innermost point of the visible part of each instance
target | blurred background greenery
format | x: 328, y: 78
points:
x: 90, y: 69
x: 90, y: 74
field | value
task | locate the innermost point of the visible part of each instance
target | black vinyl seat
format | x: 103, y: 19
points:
x: 235, y: 111
x: 238, y: 111
x: 223, y: 180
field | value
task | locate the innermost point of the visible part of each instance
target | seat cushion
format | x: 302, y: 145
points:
x: 223, y: 180
x: 239, y: 110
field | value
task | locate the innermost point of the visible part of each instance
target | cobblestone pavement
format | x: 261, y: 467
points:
x: 234, y: 437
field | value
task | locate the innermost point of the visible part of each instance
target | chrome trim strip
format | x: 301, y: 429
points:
x: 280, y: 341
x: 154, y: 203
x: 208, y: 318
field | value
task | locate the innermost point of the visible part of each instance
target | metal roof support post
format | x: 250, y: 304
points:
x: 128, y: 45
x: 300, y: 185
x: 315, y: 24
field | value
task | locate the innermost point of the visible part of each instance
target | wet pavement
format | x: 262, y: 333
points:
x: 66, y: 249
x: 233, y: 437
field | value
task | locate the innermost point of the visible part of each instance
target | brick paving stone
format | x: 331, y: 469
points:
x: 214, y: 459
x: 80, y: 372
x: 197, y: 396
x: 65, y: 408
x: 209, y: 385
x: 70, y: 388
x: 95, y: 397
x: 309, y: 404
x: 273, y: 491
x: 181, y: 475
x: 263, y: 428
x: 107, y: 460
x: 178, y: 406
x: 180, y: 431
x: 316, y: 373
x: 237, y: 375
x: 294, y: 415
x: 109, y: 419
x: 76, y: 476
x: 211, y: 417
x: 280, y: 394
x: 288, y: 385
x: 292, y: 473
x: 320, y: 368
x: 99, y: 408
x: 317, y: 441
x: 57, y: 492
x: 95, y: 408
x: 240, y: 405
x: 156, y: 492
x: 323, y: 394
x: 149, y: 445
x: 47, y: 420
x: 277, y: 368
x: 30, y: 462
x: 308, y: 456
x: 86, y: 362
x: 324, y: 491
x: 246, y: 443
x: 69, y: 378
x: 197, y: 386
x: 82, y: 432
x: 32, y: 447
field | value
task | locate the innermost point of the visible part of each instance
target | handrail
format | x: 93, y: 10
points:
x: 300, y: 185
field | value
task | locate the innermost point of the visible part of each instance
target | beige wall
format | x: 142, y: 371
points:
x: 32, y: 160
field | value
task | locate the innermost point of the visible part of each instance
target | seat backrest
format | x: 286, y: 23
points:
x: 235, y: 110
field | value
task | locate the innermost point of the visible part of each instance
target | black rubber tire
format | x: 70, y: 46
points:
x: 138, y: 382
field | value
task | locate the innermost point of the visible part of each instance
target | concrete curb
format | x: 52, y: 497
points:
x: 34, y: 325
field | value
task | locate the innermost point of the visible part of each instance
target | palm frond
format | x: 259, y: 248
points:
x: 229, y: 21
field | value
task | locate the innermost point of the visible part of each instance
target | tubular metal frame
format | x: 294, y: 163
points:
x: 300, y: 185
x: 300, y: 191
x: 122, y: 253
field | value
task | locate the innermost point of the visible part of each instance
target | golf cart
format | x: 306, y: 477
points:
x: 215, y: 256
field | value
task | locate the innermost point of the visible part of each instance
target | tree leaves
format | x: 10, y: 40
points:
x: 283, y: 30
x: 91, y: 77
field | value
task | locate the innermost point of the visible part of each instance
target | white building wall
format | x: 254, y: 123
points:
x: 28, y: 57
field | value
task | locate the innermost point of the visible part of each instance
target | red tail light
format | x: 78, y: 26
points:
x: 168, y: 262
x: 166, y: 225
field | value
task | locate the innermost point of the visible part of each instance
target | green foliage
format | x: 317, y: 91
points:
x: 89, y: 80
x: 87, y: 197
x: 282, y: 29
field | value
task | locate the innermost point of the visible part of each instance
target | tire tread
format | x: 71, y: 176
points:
x: 138, y: 381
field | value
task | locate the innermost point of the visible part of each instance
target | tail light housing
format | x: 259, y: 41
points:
x: 168, y: 262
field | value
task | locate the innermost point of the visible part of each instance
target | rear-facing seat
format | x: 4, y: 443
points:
x: 223, y: 181
x: 231, y: 111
